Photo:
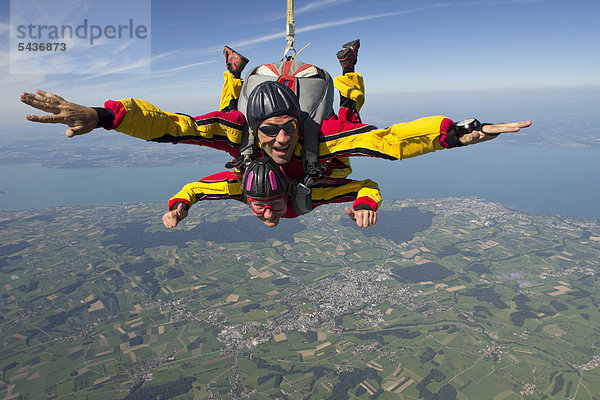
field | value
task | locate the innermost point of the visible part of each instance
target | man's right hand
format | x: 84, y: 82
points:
x: 80, y: 119
x: 489, y: 132
x: 363, y: 218
x: 172, y: 218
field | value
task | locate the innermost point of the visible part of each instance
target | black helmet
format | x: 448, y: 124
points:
x: 263, y: 178
x: 270, y: 99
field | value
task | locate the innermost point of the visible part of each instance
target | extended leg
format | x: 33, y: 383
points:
x: 350, y: 84
x: 232, y: 85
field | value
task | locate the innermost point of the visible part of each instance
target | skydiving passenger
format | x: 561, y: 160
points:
x: 267, y: 190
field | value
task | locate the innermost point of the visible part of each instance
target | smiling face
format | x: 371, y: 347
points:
x: 270, y: 210
x: 280, y: 147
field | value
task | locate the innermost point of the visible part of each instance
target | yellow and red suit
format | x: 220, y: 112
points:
x: 339, y: 138
x: 226, y: 185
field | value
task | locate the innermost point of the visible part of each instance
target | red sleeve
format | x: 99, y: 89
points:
x: 174, y: 201
x: 445, y: 126
x: 119, y: 109
x: 365, y: 200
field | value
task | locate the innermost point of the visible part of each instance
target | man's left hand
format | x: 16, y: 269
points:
x: 80, y: 119
x: 489, y: 132
x: 363, y: 218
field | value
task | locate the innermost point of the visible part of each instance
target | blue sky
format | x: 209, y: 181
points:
x: 407, y: 46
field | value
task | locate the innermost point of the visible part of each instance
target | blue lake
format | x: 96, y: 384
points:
x: 540, y: 180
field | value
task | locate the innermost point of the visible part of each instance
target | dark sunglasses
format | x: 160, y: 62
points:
x: 272, y: 130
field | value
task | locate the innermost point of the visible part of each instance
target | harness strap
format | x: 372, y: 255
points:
x: 272, y: 68
x: 310, y: 148
x: 301, y: 197
x: 290, y: 80
x: 247, y: 148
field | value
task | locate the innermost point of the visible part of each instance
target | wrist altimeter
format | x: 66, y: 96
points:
x: 469, y: 125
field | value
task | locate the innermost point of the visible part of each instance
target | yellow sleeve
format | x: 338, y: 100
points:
x: 399, y: 141
x: 207, y: 189
x: 370, y: 189
x: 145, y: 121
x: 345, y: 190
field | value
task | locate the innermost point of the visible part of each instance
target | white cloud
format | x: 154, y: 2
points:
x: 279, y: 35
x: 143, y: 62
x: 192, y: 65
x: 311, y: 6
x: 328, y: 3
x: 315, y: 5
x: 166, y: 55
x: 258, y: 40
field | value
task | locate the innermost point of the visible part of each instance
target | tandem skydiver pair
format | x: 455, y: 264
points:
x: 264, y: 185
x: 274, y: 105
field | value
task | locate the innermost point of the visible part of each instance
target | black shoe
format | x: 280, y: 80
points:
x: 348, y: 55
x: 235, y: 62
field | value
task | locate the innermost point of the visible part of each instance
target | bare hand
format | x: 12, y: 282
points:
x: 80, y: 119
x: 172, y: 218
x: 489, y: 132
x: 363, y: 218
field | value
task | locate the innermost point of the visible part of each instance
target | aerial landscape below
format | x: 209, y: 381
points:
x: 450, y: 298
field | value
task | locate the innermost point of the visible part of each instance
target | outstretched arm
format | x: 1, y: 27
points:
x: 80, y: 119
x: 221, y: 186
x: 140, y: 119
x: 172, y: 218
x: 403, y: 140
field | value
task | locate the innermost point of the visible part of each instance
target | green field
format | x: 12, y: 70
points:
x: 438, y: 300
